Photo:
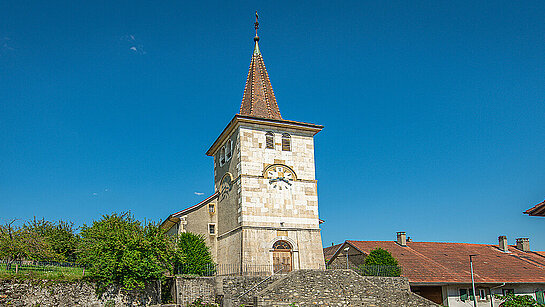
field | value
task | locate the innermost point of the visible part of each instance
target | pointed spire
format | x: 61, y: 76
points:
x: 258, y: 99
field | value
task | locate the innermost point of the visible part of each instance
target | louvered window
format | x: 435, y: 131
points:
x: 269, y: 140
x: 222, y: 156
x: 286, y: 142
x: 228, y: 150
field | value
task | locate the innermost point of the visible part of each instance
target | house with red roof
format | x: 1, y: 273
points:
x: 441, y: 272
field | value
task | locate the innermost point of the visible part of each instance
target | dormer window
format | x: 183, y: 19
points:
x: 269, y: 140
x: 286, y: 142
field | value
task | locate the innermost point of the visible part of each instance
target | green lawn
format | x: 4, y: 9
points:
x: 41, y: 272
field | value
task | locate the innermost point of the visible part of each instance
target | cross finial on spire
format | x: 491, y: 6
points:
x: 256, y: 25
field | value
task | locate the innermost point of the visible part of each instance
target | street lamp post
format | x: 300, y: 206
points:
x: 346, y: 251
x: 473, y: 280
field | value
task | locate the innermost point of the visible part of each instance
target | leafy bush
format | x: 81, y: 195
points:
x: 380, y: 262
x: 120, y: 250
x: 380, y: 256
x: 193, y: 255
x: 511, y: 300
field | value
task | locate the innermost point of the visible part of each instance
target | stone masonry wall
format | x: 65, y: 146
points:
x: 389, y: 283
x: 189, y: 289
x: 55, y: 293
x: 335, y: 288
x: 226, y: 288
x: 235, y: 286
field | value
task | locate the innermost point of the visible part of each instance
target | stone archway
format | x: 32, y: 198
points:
x: 282, y: 257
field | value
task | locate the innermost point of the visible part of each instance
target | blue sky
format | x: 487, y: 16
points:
x: 433, y: 110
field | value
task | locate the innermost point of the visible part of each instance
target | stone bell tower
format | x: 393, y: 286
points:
x: 264, y: 173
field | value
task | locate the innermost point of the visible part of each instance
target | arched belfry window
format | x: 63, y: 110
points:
x: 269, y: 140
x: 228, y: 150
x: 281, y: 245
x: 286, y: 142
x: 222, y: 156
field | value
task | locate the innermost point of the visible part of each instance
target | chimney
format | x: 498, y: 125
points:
x: 523, y: 244
x: 402, y: 238
x: 503, y: 243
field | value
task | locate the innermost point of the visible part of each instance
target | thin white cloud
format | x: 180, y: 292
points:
x: 6, y: 45
x: 95, y: 194
x: 199, y: 193
x: 133, y: 44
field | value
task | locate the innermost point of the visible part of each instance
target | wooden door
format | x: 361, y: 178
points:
x: 282, y: 261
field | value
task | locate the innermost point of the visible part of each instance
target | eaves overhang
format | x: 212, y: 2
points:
x: 173, y: 218
x: 244, y: 119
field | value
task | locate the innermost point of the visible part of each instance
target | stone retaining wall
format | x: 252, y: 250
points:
x: 223, y: 288
x: 56, y: 293
x: 335, y: 288
x: 389, y: 283
x: 188, y: 289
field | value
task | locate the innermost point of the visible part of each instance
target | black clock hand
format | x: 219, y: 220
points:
x: 286, y: 181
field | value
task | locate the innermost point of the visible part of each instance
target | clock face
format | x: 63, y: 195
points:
x: 280, y: 177
x: 225, y: 185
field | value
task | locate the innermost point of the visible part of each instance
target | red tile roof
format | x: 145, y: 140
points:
x: 331, y: 250
x: 434, y: 262
x: 537, y: 210
x: 200, y: 204
x: 258, y: 99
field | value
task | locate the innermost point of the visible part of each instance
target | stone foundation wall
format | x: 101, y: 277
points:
x: 55, y: 293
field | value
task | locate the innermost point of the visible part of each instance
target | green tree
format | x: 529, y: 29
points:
x: 380, y: 262
x: 21, y: 243
x: 118, y: 249
x: 193, y: 255
x: 511, y: 300
x: 60, y: 235
x: 380, y: 256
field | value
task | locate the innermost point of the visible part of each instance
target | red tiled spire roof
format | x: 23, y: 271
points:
x: 258, y: 99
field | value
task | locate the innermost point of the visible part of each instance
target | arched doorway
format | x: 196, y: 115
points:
x: 282, y: 257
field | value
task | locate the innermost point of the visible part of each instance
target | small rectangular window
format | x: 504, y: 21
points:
x: 212, y: 229
x: 463, y: 294
x: 482, y: 294
x: 211, y: 208
x: 540, y: 297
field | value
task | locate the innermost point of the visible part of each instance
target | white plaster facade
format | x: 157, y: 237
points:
x: 451, y: 293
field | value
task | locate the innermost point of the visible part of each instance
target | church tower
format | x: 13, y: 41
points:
x: 264, y: 176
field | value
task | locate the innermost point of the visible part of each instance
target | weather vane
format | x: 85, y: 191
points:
x: 256, y: 24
